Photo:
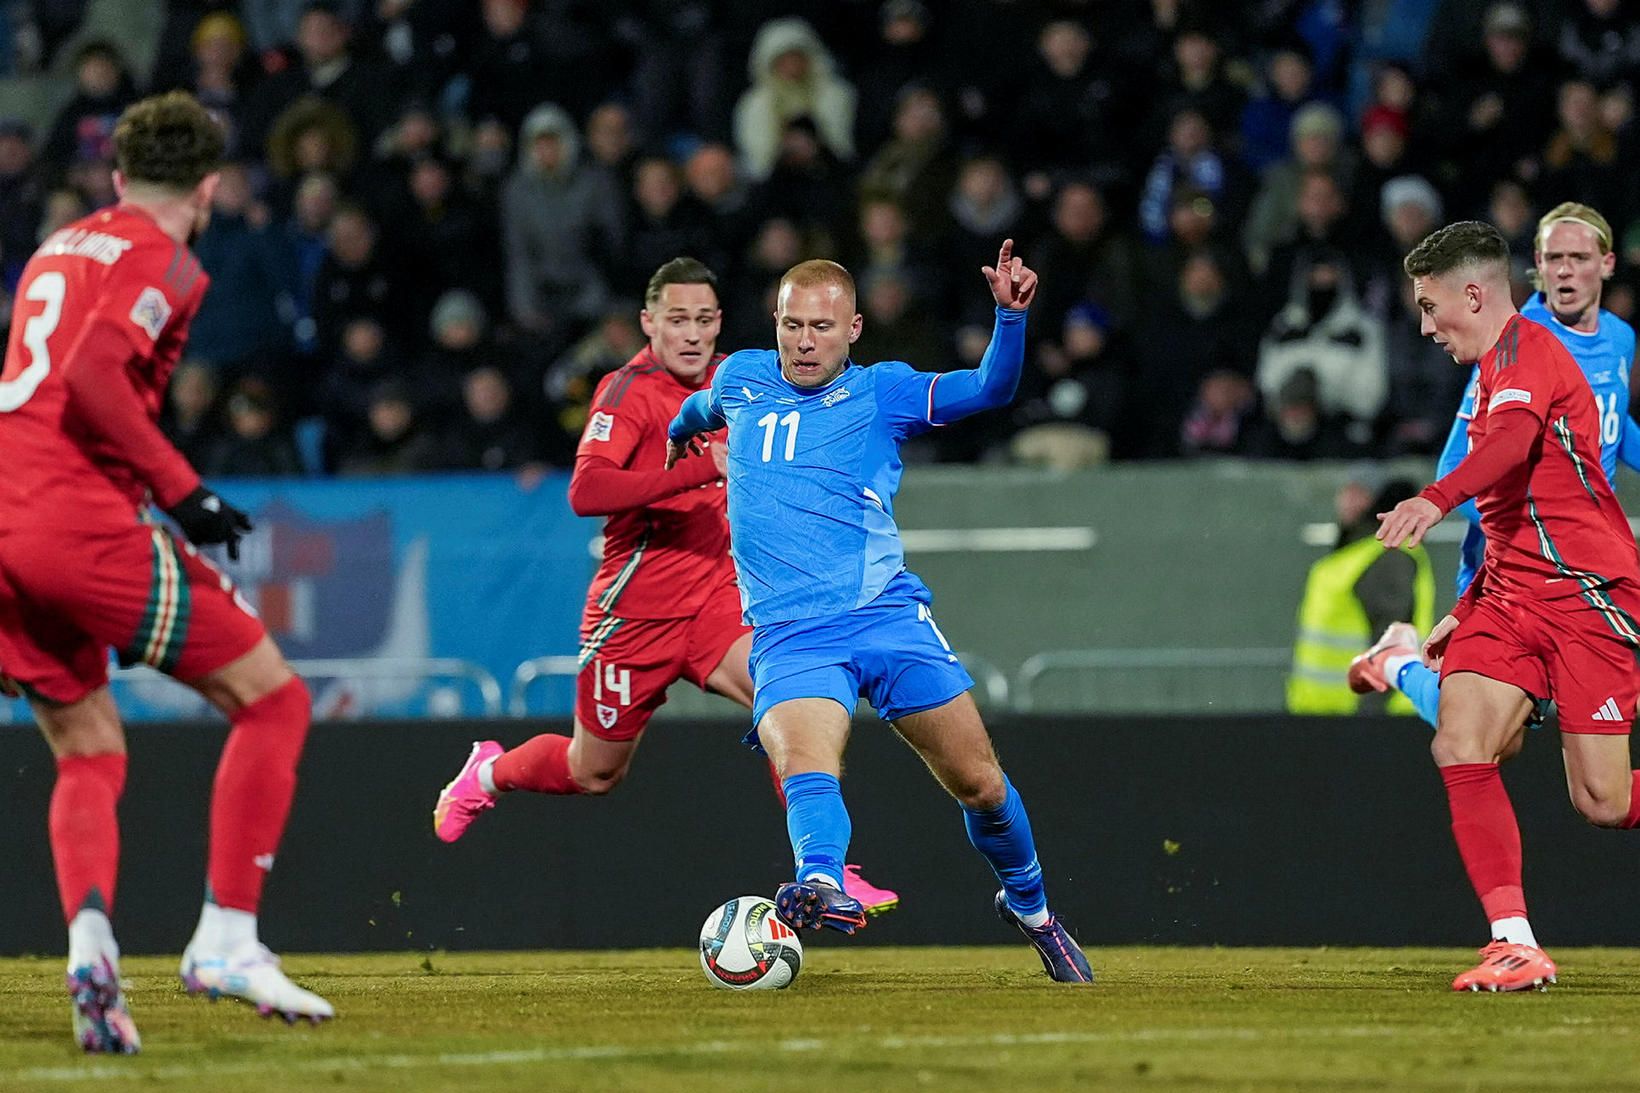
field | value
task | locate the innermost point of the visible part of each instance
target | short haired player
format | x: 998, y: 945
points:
x: 1572, y: 259
x: 1551, y: 612
x: 664, y: 605
x: 813, y: 468
x: 101, y: 318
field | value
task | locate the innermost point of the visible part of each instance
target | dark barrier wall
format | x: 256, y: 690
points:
x: 1267, y: 831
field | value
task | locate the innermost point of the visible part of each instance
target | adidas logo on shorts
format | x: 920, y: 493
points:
x: 1609, y: 712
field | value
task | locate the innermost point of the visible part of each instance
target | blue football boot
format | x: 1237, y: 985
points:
x: 1061, y: 957
x: 812, y: 904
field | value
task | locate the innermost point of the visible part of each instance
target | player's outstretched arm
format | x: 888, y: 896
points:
x: 957, y: 394
x: 695, y: 416
x: 1507, y: 444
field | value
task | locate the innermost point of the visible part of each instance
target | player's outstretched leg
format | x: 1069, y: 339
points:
x: 953, y: 742
x: 471, y: 792
x: 1394, y: 661
x: 270, y: 711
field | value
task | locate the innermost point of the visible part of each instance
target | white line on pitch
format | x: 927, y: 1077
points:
x: 618, y: 1052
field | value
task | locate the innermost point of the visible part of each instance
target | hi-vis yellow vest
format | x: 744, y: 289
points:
x: 1333, y: 628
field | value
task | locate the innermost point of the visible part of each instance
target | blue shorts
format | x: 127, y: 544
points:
x: 889, y: 651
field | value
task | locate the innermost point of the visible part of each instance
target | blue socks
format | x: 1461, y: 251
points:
x: 818, y: 824
x: 1003, y: 835
x: 1423, y: 687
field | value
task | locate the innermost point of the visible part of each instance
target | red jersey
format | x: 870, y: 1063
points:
x: 101, y: 316
x: 666, y: 557
x: 1553, y: 526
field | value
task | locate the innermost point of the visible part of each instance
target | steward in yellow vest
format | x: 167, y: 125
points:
x: 1349, y: 597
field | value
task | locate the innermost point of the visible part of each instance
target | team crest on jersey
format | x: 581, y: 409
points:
x: 832, y: 398
x: 607, y: 716
x: 600, y: 426
x: 151, y: 311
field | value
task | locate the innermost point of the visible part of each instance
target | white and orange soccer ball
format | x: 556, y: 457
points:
x: 745, y: 947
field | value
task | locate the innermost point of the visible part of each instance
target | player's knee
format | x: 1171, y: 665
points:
x: 1601, y: 810
x: 982, y: 790
x: 596, y: 783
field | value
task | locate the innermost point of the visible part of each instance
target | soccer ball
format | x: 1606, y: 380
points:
x: 745, y: 947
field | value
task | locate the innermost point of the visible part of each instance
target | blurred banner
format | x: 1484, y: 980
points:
x: 474, y: 568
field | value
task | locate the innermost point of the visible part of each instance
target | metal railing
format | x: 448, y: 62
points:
x: 1160, y: 680
x: 993, y: 684
x: 424, y: 669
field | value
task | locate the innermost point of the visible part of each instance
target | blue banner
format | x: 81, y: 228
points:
x: 480, y: 568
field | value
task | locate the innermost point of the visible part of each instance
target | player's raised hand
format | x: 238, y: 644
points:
x: 1013, y: 283
x: 1407, y: 522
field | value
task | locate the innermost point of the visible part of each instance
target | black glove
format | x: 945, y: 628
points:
x: 207, y: 519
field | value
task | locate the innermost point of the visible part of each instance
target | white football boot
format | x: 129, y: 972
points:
x: 250, y: 972
x: 102, y: 1022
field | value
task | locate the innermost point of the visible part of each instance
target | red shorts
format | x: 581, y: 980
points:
x: 66, y: 597
x: 627, y: 664
x: 1580, y: 654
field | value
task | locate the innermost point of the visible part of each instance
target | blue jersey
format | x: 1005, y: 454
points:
x: 812, y: 478
x: 1605, y: 355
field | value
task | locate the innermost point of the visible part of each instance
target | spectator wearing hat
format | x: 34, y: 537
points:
x: 561, y: 228
x: 22, y: 200
x: 1409, y: 208
x: 1295, y: 427
x: 793, y: 76
x: 1424, y: 384
x: 1317, y: 143
x: 218, y: 68
x: 1074, y: 391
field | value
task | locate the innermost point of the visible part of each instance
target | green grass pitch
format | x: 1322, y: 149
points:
x: 859, y: 1019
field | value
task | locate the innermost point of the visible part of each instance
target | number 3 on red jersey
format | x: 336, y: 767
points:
x: 24, y: 375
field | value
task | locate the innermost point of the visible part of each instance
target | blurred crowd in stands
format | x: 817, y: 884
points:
x: 439, y: 215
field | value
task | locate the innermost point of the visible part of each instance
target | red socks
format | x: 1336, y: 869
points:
x: 255, y: 781
x: 540, y: 765
x: 1483, y: 823
x: 85, y: 830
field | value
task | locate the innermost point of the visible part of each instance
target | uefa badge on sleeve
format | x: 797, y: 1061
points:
x: 151, y: 311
